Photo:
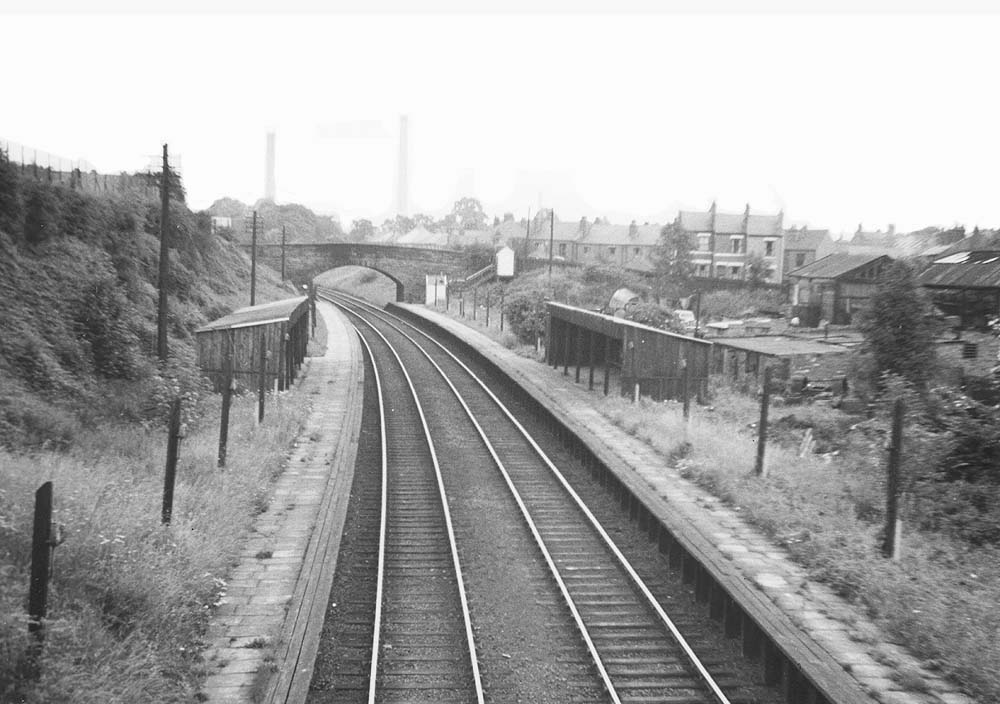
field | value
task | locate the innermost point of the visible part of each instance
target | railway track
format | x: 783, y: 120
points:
x: 619, y: 644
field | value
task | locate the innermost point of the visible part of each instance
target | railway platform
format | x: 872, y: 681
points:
x: 835, y: 636
x: 263, y: 638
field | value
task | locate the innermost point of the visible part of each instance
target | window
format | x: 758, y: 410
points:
x: 768, y: 248
x: 720, y: 271
x: 635, y: 251
x: 734, y: 271
x: 800, y: 259
x: 611, y: 250
x: 734, y: 242
x: 538, y: 245
x: 586, y: 250
x: 703, y: 270
x: 562, y: 249
x: 703, y: 242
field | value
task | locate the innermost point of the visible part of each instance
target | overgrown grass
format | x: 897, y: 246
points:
x: 130, y: 598
x: 939, y: 599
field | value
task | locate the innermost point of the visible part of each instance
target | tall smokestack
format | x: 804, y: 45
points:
x: 403, y: 184
x: 269, y: 189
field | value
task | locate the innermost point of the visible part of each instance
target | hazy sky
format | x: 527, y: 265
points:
x: 837, y: 119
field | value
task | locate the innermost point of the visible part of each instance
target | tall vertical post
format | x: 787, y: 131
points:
x: 765, y: 399
x: 173, y: 438
x: 893, y: 524
x: 578, y: 352
x: 253, y: 260
x: 607, y: 362
x: 39, y: 587
x: 487, y: 307
x: 475, y: 302
x: 591, y: 354
x: 686, y: 388
x: 501, y: 309
x: 227, y: 398
x: 282, y: 252
x: 552, y: 234
x: 262, y: 374
x: 161, y: 312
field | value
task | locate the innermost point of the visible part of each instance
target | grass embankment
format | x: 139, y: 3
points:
x: 129, y: 597
x: 83, y: 404
x: 939, y: 600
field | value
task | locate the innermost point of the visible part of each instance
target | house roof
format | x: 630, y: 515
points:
x: 695, y: 221
x: 561, y: 232
x: 968, y: 269
x: 806, y: 239
x: 621, y: 235
x: 764, y: 224
x: 728, y: 224
x: 833, y: 266
x: 983, y: 240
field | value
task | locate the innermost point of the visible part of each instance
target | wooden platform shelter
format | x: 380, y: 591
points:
x: 268, y: 339
x: 638, y: 355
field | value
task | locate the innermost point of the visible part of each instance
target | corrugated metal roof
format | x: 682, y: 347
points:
x: 833, y: 265
x: 980, y: 269
x: 265, y: 313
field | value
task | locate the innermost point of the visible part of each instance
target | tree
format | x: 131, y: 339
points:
x: 757, y: 270
x: 672, y: 265
x: 468, y: 214
x: 362, y: 230
x: 898, y: 329
x: 425, y: 221
x: 10, y: 199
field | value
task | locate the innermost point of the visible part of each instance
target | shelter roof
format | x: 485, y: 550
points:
x: 779, y: 345
x: 979, y: 269
x: 833, y: 266
x: 263, y: 314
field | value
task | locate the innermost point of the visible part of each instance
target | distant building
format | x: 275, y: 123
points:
x: 723, y: 243
x: 219, y: 222
x: 803, y: 246
x: 965, y: 283
x: 835, y: 287
x: 594, y: 243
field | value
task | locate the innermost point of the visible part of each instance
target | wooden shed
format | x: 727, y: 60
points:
x: 638, y: 355
x: 270, y: 338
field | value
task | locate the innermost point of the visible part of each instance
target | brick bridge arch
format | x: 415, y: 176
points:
x: 405, y: 266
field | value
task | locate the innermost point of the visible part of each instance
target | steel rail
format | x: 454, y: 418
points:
x: 466, y: 617
x: 689, y: 653
x: 380, y: 580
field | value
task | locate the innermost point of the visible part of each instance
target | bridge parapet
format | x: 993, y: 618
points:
x: 405, y: 265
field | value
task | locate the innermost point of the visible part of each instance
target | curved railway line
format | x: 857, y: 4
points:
x: 465, y: 487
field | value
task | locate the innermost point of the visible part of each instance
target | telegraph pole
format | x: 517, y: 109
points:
x: 161, y: 314
x: 282, y: 252
x: 552, y: 232
x: 253, y: 260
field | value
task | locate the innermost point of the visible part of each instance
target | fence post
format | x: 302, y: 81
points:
x: 501, y: 310
x: 765, y: 400
x: 461, y: 304
x: 893, y: 524
x: 686, y: 389
x: 38, y: 594
x: 487, y: 307
x: 262, y: 381
x: 173, y: 437
x: 227, y: 398
x: 475, y: 302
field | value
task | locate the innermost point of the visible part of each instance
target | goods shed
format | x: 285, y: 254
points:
x: 632, y: 353
x: 268, y: 339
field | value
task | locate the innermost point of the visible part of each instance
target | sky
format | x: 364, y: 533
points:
x: 837, y: 118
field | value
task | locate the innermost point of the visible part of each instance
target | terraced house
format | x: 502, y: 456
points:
x: 724, y: 243
x: 598, y: 243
